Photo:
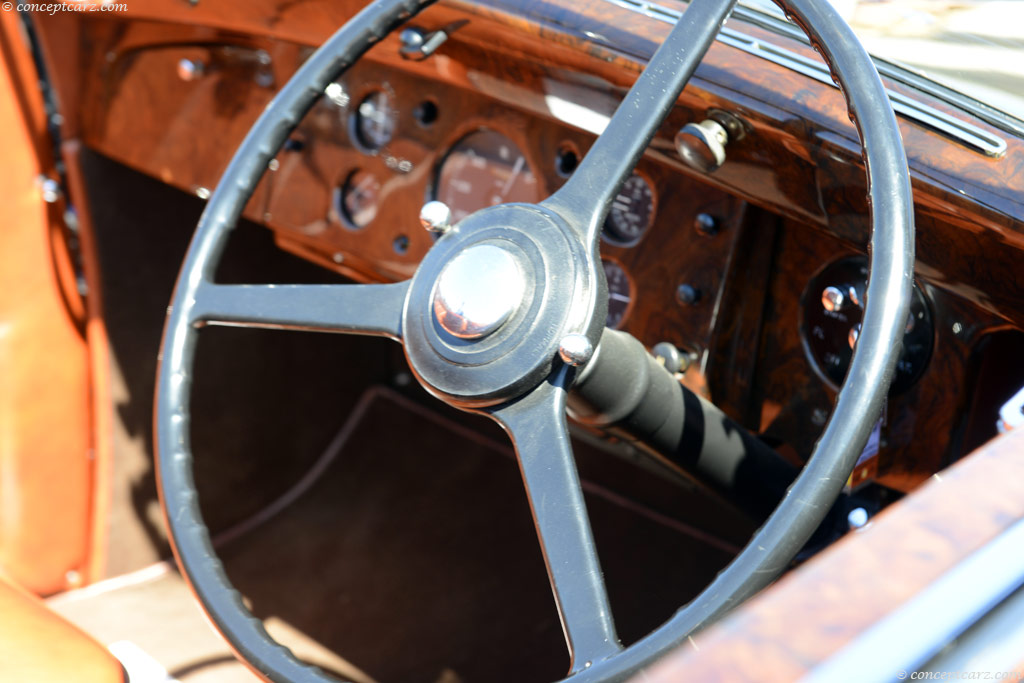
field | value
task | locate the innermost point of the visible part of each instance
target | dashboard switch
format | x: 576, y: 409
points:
x: 832, y: 318
x: 833, y: 299
x: 853, y: 336
x: 702, y: 145
x: 668, y: 355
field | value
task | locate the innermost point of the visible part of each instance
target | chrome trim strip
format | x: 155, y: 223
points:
x: 953, y: 128
x: 915, y: 632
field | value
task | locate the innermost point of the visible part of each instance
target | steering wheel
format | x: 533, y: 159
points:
x: 502, y: 314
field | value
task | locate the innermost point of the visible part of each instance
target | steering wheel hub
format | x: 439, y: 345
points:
x: 477, y: 292
x: 491, y: 301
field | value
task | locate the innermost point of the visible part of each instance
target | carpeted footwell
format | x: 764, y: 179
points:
x: 413, y: 557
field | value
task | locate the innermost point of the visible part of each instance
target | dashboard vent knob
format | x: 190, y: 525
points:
x: 702, y: 145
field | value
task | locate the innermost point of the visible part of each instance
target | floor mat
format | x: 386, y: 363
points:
x: 415, y: 557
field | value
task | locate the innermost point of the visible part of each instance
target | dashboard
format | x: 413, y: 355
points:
x: 753, y: 274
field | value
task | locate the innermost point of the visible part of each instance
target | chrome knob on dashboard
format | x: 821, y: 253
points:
x: 478, y: 291
x: 833, y: 299
x: 702, y: 145
x: 436, y: 217
x: 853, y: 335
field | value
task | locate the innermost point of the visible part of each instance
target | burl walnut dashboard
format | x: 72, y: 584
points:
x: 755, y: 273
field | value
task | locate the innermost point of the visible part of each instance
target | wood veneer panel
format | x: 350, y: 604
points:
x: 811, y: 613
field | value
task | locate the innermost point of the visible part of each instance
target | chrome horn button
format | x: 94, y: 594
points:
x: 478, y: 291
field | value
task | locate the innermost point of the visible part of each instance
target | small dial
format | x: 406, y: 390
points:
x: 483, y: 169
x: 631, y: 213
x: 375, y: 122
x: 358, y: 199
x: 620, y: 293
x: 833, y: 307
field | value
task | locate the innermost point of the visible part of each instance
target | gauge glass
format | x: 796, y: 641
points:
x: 631, y: 213
x: 620, y: 293
x: 483, y: 169
x: 359, y: 198
x: 376, y: 118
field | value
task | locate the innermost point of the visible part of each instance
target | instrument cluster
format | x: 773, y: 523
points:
x: 485, y: 167
x: 347, y: 190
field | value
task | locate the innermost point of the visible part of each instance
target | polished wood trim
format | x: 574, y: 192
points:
x: 817, y: 609
x: 798, y: 168
x: 801, y: 158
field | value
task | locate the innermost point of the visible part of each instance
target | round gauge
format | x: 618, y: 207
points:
x: 631, y: 213
x: 359, y: 198
x: 832, y: 311
x: 620, y: 293
x: 375, y: 122
x: 483, y: 169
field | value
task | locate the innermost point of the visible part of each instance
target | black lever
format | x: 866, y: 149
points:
x: 625, y: 390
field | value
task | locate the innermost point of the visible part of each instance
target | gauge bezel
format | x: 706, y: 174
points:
x: 338, y: 200
x: 356, y: 101
x: 646, y: 177
x: 482, y: 125
x: 811, y: 297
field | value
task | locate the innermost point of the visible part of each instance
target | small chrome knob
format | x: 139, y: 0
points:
x: 702, y: 145
x: 436, y: 217
x: 855, y: 296
x: 833, y: 299
x: 478, y: 291
x: 575, y: 349
x: 853, y: 336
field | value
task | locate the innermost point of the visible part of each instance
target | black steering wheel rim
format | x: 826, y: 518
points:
x: 858, y: 404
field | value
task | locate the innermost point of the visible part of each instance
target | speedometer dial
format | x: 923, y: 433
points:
x: 483, y: 169
x: 631, y: 213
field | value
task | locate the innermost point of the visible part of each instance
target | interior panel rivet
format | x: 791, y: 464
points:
x: 687, y: 294
x: 706, y: 224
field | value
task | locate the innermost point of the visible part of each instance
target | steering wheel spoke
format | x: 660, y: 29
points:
x: 586, y: 197
x: 354, y: 309
x: 537, y: 425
